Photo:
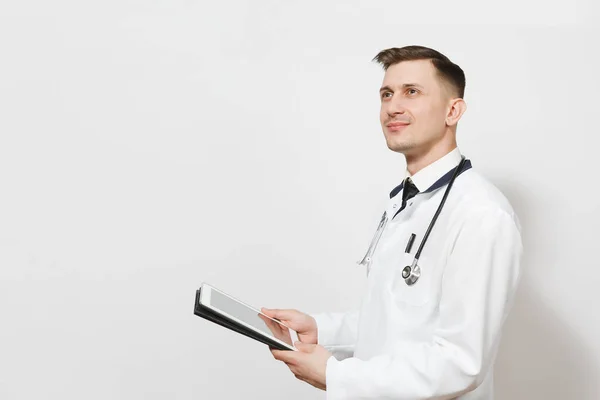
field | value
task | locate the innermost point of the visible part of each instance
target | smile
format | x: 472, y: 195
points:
x: 397, y: 126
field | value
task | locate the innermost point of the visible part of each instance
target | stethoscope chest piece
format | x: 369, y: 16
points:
x: 411, y: 273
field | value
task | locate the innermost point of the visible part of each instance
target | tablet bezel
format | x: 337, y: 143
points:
x: 205, y: 296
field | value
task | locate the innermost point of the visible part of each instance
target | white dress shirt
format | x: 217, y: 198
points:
x: 438, y: 338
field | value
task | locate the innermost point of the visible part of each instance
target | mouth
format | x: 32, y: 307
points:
x: 396, y: 126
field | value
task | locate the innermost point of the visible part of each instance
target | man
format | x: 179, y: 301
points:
x: 435, y: 338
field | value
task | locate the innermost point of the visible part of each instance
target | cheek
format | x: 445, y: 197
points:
x: 432, y: 115
x: 382, y: 115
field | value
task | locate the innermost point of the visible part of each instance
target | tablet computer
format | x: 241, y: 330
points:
x: 229, y: 312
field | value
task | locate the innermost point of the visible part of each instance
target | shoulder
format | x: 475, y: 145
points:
x: 476, y: 197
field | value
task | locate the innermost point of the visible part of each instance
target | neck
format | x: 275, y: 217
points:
x: 417, y: 161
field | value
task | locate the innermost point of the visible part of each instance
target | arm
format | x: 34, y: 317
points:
x: 477, y: 289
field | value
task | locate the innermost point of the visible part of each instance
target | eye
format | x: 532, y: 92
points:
x: 386, y: 95
x: 412, y: 91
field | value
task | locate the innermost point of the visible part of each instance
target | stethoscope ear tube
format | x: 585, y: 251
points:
x: 412, y: 273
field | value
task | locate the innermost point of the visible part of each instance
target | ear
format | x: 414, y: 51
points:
x: 457, y: 108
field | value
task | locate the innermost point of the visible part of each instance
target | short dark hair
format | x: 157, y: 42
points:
x: 446, y: 69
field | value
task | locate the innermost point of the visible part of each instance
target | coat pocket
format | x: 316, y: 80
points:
x: 417, y: 294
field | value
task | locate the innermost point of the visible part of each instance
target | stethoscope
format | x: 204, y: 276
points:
x: 412, y: 273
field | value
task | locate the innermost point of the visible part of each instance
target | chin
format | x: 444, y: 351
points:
x: 400, y: 147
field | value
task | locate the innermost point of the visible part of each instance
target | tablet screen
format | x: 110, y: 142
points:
x: 250, y: 316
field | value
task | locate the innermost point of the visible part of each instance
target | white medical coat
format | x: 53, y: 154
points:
x: 437, y: 339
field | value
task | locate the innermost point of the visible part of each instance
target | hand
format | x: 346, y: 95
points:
x: 303, y: 324
x: 279, y: 331
x: 308, y: 364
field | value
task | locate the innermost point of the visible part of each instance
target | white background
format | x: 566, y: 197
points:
x: 147, y: 146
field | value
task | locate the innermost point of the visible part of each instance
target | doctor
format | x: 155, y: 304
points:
x: 436, y: 336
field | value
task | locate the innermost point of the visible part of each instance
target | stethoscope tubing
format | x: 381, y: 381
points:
x: 414, y: 269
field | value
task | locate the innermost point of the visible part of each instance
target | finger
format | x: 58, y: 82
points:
x: 267, y: 311
x: 305, y: 347
x: 281, y: 314
x: 285, y: 356
x: 269, y: 322
x: 286, y: 318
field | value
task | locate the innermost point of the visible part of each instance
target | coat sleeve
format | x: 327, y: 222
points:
x: 337, y: 332
x: 478, y: 285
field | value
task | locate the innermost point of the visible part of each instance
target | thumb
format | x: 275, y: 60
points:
x: 267, y: 311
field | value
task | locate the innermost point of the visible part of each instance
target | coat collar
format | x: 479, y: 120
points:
x: 436, y: 174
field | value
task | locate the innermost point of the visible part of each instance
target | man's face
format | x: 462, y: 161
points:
x: 414, y: 107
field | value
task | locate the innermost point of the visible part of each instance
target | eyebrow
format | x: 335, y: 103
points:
x: 406, y: 85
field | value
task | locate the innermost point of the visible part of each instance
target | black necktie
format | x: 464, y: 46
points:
x: 410, y: 190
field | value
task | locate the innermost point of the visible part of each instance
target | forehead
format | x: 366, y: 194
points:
x: 421, y: 72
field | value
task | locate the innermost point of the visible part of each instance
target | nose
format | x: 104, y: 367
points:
x: 394, y: 107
